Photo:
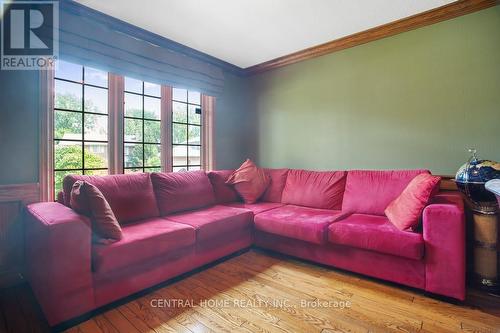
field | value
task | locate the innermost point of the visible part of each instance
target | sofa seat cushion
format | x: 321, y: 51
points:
x: 257, y: 207
x: 304, y: 223
x: 376, y: 233
x: 214, y: 221
x: 141, y: 241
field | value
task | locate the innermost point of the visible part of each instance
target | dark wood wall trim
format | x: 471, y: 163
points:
x: 447, y: 183
x: 26, y: 193
x: 12, y: 200
x: 452, y: 10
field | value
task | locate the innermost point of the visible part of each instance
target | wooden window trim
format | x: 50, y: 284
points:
x: 46, y: 157
x: 207, y: 132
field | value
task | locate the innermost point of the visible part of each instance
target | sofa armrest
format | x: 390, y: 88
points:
x: 444, y: 236
x: 58, y: 260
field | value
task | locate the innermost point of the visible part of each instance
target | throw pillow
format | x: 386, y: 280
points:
x: 88, y: 200
x: 405, y: 211
x: 249, y: 181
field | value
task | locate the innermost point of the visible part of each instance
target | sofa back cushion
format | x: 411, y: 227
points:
x: 317, y: 189
x: 130, y: 196
x: 275, y: 188
x: 223, y: 192
x: 179, y: 191
x: 371, y: 191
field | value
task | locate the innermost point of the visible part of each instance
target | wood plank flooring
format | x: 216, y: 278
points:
x: 261, y: 292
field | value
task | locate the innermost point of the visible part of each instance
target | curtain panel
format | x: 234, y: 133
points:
x: 87, y: 38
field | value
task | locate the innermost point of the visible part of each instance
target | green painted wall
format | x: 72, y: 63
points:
x: 414, y: 100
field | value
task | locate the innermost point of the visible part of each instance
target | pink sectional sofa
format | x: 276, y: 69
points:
x: 175, y: 222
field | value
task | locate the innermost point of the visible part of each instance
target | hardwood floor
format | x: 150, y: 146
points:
x: 260, y: 292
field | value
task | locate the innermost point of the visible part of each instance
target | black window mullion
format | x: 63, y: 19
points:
x: 143, y: 145
x: 83, y: 120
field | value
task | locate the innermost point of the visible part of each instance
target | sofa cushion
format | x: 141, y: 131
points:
x: 180, y: 191
x: 405, y: 211
x: 249, y: 181
x: 214, y: 221
x: 304, y: 223
x: 223, y: 192
x: 376, y: 233
x: 275, y: 188
x: 141, y: 241
x: 316, y: 189
x: 371, y: 191
x: 130, y: 196
x: 257, y: 207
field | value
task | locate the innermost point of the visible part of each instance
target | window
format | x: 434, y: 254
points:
x: 95, y: 123
x: 186, y: 130
x: 142, y: 127
x: 80, y: 122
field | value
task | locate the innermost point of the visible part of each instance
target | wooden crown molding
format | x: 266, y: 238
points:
x: 446, y: 12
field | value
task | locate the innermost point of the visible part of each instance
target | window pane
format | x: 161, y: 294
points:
x: 152, y: 131
x: 194, y: 155
x: 132, y: 170
x: 96, y: 77
x: 179, y: 154
x: 67, y: 155
x: 194, y: 135
x: 179, y: 95
x: 96, y: 155
x: 133, y: 85
x: 67, y: 125
x: 68, y: 71
x: 133, y: 130
x: 179, y: 112
x: 133, y: 105
x: 96, y: 127
x: 96, y: 100
x: 152, y: 89
x: 193, y: 116
x: 96, y: 172
x: 194, y: 168
x: 179, y: 133
x: 180, y: 169
x: 194, y: 97
x: 133, y: 155
x: 152, y: 170
x: 152, y: 155
x: 68, y: 95
x: 152, y: 108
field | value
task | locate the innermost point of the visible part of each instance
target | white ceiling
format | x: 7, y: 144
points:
x: 248, y: 32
